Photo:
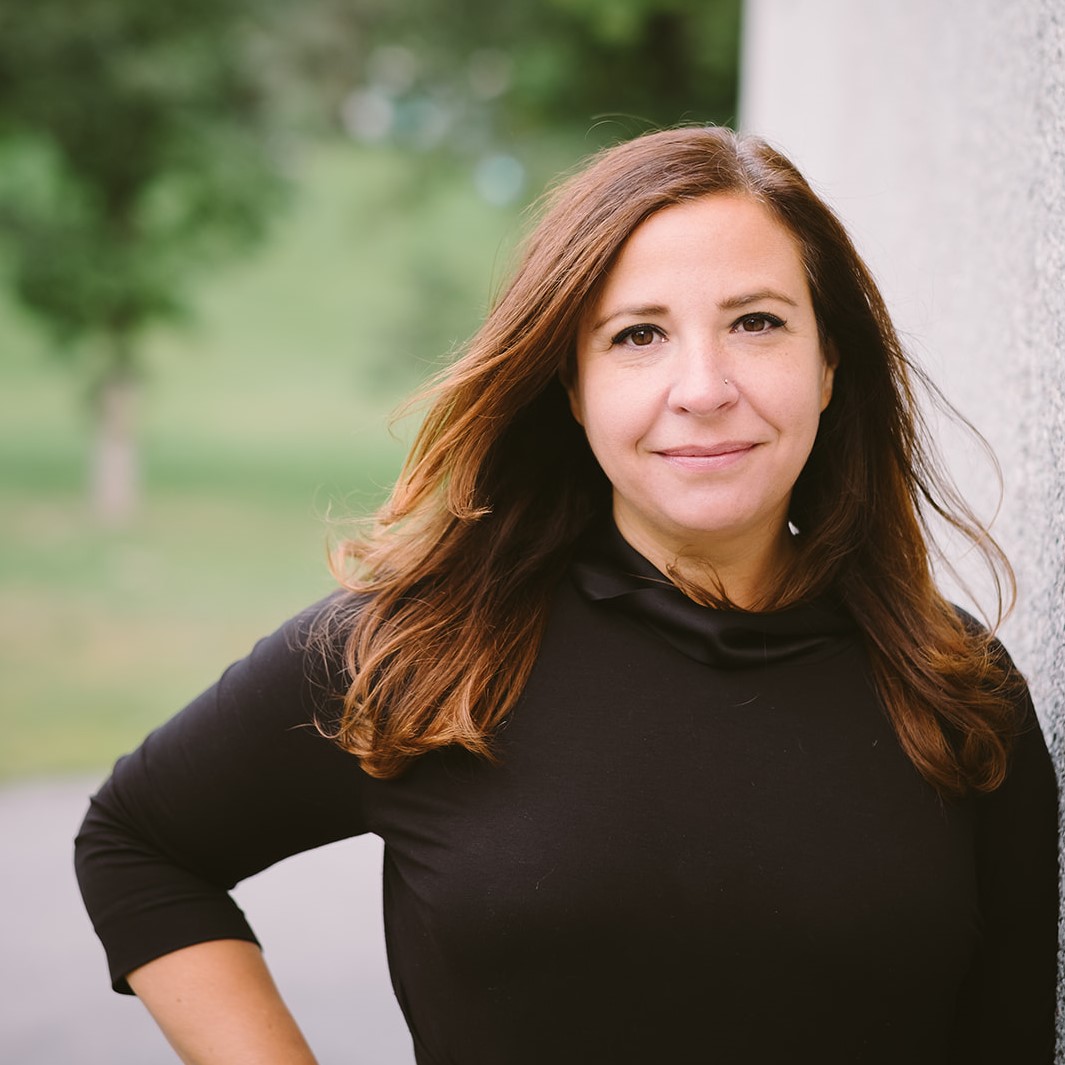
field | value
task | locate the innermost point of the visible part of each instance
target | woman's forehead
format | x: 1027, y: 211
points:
x: 726, y: 245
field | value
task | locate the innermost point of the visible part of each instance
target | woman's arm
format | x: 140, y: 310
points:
x: 218, y: 1005
x: 237, y: 781
x: 1006, y: 1010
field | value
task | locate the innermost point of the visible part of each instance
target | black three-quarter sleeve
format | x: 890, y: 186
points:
x: 1007, y: 1006
x: 238, y: 780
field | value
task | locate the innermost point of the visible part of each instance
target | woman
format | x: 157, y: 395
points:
x: 677, y: 752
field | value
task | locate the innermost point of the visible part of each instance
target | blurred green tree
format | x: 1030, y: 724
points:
x: 134, y: 149
x: 515, y: 91
x: 473, y: 71
x: 140, y: 143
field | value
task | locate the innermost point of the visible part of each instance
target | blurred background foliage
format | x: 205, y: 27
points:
x: 233, y: 234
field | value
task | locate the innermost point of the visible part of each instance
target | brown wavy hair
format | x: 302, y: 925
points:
x: 450, y: 585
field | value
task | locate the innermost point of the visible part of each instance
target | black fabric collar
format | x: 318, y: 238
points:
x: 609, y: 571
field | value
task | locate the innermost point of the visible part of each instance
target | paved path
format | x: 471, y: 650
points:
x: 318, y: 916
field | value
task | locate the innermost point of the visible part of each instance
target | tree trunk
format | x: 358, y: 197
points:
x: 114, y: 483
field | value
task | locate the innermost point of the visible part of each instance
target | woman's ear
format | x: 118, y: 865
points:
x: 568, y: 377
x: 828, y: 376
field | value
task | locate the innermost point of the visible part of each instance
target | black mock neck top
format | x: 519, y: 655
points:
x: 608, y: 571
x: 702, y: 844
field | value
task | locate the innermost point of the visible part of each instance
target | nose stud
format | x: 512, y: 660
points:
x: 726, y: 380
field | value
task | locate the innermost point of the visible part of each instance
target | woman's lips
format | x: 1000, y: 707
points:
x: 711, y: 457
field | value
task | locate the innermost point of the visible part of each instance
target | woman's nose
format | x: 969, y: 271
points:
x: 701, y: 382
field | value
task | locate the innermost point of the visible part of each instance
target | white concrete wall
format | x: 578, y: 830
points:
x: 937, y: 129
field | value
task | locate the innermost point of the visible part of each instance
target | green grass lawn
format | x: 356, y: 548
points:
x: 258, y: 420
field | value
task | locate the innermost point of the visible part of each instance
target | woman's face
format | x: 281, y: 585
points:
x: 701, y: 378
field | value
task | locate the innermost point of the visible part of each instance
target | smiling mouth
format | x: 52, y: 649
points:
x: 731, y: 447
x: 715, y: 459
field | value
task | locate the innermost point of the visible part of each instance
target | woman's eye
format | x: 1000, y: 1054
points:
x: 758, y: 323
x: 639, y: 336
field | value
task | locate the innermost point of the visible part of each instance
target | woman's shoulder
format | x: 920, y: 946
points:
x: 982, y: 633
x: 316, y: 635
x: 1029, y: 766
x: 328, y: 618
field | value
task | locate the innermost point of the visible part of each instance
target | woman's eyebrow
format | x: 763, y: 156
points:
x: 650, y: 310
x: 730, y: 303
x: 733, y: 302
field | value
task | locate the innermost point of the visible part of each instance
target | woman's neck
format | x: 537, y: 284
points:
x: 746, y: 570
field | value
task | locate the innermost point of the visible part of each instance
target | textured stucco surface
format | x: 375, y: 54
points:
x: 937, y: 131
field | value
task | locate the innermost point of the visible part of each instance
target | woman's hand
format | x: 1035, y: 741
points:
x: 217, y: 1004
